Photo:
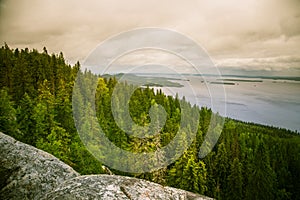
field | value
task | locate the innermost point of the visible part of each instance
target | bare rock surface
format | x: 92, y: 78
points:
x: 117, y: 187
x: 27, y: 172
x: 30, y: 173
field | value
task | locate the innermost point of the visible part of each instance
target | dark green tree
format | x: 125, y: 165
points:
x: 25, y: 119
x: 262, y: 179
x: 235, y: 181
x: 8, y: 120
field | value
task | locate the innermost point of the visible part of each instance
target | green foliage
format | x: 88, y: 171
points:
x: 25, y: 119
x: 8, y: 121
x: 57, y: 143
x: 235, y: 181
x: 40, y: 85
x: 262, y: 178
x: 249, y: 161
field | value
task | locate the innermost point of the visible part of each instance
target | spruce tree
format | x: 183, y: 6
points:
x: 235, y: 181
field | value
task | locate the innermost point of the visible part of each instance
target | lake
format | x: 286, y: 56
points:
x: 268, y: 101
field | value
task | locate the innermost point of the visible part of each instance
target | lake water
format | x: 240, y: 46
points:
x: 264, y: 101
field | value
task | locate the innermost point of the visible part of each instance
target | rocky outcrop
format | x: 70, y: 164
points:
x: 29, y: 173
x: 117, y: 187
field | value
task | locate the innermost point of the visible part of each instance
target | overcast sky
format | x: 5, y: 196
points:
x: 247, y: 35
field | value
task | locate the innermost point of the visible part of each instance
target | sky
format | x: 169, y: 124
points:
x: 259, y: 37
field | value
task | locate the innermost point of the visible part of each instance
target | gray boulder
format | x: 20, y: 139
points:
x: 117, y: 187
x: 27, y: 172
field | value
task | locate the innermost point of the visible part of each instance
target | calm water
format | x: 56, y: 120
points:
x: 263, y: 101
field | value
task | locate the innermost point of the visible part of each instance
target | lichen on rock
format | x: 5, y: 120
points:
x: 27, y: 172
x: 117, y: 187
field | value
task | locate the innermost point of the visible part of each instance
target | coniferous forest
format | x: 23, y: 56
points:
x: 250, y: 161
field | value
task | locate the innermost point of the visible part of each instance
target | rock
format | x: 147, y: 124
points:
x: 30, y: 173
x: 113, y: 187
x: 27, y: 172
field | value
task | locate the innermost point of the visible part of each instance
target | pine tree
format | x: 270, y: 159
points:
x: 262, y: 180
x: 57, y: 143
x: 8, y: 121
x: 188, y: 173
x: 25, y: 119
x: 235, y: 181
x: 43, y: 112
x: 221, y: 170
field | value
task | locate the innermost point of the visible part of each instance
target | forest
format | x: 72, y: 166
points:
x: 249, y: 161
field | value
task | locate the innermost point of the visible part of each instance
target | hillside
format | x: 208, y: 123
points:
x: 250, y: 161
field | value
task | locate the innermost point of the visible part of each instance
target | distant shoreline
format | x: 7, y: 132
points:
x: 291, y: 78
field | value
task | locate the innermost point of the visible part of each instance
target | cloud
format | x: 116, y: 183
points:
x: 280, y: 62
x: 230, y: 29
x: 281, y: 66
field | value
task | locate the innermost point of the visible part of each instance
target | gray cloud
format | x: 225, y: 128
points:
x: 230, y: 30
